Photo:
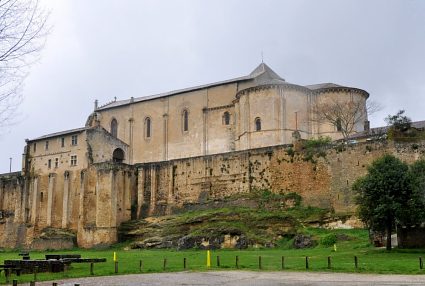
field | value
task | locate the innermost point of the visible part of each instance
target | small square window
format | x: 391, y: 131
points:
x: 74, y: 140
x: 73, y: 160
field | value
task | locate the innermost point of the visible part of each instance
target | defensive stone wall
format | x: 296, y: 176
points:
x: 93, y: 202
x: 323, y: 176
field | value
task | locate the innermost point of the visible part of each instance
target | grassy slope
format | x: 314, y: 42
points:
x: 261, y: 217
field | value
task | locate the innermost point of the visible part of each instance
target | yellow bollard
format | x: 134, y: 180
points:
x: 335, y: 247
x: 208, y: 258
x: 115, y: 256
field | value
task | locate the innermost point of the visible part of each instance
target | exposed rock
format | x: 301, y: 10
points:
x: 186, y: 242
x: 242, y: 242
x: 304, y: 241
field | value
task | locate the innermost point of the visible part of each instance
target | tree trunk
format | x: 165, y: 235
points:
x: 389, y: 230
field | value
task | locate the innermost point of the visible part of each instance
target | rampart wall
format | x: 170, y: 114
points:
x: 94, y: 202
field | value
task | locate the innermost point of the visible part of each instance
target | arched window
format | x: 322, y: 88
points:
x: 257, y: 124
x: 114, y: 127
x: 185, y: 120
x: 338, y: 125
x: 148, y: 127
x: 226, y: 118
x: 118, y: 155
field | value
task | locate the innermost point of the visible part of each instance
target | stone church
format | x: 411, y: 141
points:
x: 150, y: 155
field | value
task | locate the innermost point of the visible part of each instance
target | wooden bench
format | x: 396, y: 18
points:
x: 9, y: 270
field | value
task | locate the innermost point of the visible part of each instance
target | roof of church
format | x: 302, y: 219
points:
x: 61, y: 133
x: 322, y: 85
x: 262, y: 75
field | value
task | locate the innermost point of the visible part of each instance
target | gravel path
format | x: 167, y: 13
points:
x: 238, y: 278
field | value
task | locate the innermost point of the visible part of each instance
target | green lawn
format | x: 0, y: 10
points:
x: 370, y: 259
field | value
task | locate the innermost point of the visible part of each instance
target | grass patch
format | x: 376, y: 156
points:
x: 371, y: 260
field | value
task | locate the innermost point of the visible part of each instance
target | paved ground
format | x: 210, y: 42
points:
x: 238, y: 278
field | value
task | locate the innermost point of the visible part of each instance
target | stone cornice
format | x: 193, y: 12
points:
x: 218, y: 107
x: 341, y: 89
x: 269, y: 86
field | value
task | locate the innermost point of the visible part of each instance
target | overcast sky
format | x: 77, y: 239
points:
x: 101, y: 49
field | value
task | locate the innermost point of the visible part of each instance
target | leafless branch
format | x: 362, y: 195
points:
x: 23, y: 30
x: 344, y: 114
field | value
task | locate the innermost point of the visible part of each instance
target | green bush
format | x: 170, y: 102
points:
x: 290, y: 152
x: 317, y: 142
x: 328, y: 240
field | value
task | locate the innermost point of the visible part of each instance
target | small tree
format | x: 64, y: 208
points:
x: 344, y: 115
x: 399, y: 122
x: 416, y: 204
x: 383, y: 195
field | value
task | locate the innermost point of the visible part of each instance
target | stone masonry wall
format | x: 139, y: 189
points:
x: 324, y: 180
x: 95, y: 201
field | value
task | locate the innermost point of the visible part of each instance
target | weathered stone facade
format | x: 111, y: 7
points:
x: 153, y: 155
x: 106, y: 194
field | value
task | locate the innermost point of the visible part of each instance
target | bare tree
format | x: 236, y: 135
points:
x: 22, y: 35
x: 344, y: 115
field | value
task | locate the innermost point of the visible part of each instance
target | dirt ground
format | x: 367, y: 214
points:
x: 238, y: 278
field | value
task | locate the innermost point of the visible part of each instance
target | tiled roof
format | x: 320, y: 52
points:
x: 322, y: 85
x: 376, y: 131
x: 263, y: 74
x: 61, y: 133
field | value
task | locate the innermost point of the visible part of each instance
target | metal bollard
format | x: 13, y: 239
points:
x: 35, y: 273
x: 116, y: 267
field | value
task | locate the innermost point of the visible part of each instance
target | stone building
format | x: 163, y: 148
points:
x: 149, y: 155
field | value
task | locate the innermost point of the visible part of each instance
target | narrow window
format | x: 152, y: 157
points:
x: 338, y: 125
x: 63, y: 142
x: 35, y: 147
x: 114, y: 127
x: 49, y: 163
x: 73, y: 160
x: 148, y: 127
x: 74, y: 140
x: 118, y: 155
x: 257, y: 124
x: 226, y: 118
x: 46, y: 146
x: 56, y: 162
x: 41, y: 197
x: 185, y: 120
